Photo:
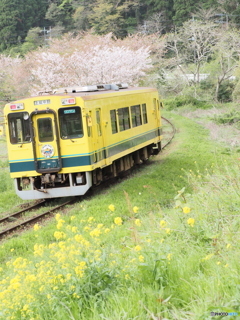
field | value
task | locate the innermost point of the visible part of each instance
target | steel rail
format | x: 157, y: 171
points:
x: 173, y: 132
x: 33, y: 219
x: 20, y: 212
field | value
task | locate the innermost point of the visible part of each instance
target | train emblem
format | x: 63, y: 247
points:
x: 47, y: 151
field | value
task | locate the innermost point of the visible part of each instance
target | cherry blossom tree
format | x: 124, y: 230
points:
x: 79, y: 62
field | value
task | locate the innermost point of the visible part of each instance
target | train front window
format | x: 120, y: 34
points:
x: 19, y: 127
x: 45, y: 129
x: 70, y: 120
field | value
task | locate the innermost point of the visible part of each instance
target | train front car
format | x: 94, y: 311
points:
x: 61, y: 144
x: 45, y: 138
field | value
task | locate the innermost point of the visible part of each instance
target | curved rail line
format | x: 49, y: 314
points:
x: 11, y: 218
x: 173, y: 132
x: 30, y: 220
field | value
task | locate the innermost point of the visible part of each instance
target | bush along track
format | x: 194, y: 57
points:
x: 160, y: 245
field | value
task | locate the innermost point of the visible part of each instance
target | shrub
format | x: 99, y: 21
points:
x: 231, y: 117
x: 181, y: 101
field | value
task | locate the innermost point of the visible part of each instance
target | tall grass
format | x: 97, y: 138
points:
x: 161, y: 245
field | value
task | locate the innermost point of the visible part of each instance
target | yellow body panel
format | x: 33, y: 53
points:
x: 97, y: 147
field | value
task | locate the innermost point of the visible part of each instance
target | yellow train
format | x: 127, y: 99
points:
x: 62, y: 143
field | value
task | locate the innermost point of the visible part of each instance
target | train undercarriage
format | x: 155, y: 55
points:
x: 54, y: 184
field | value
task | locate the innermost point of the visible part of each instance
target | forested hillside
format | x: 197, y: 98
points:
x: 39, y: 19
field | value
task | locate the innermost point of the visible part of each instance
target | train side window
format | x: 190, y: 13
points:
x: 70, y: 120
x: 113, y: 116
x: 19, y: 127
x: 136, y: 115
x: 144, y: 113
x: 124, y: 118
x: 98, y: 119
x: 45, y: 129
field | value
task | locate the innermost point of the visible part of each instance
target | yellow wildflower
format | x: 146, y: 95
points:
x: 138, y: 248
x: 95, y: 232
x: 169, y: 256
x: 59, y: 235
x: 168, y: 230
x: 191, y: 222
x: 111, y: 207
x: 36, y: 227
x: 74, y: 229
x: 163, y: 223
x: 186, y: 210
x: 57, y: 216
x: 141, y: 258
x: 208, y: 257
x: 135, y: 209
x: 118, y: 221
x: 138, y: 222
x: 229, y: 246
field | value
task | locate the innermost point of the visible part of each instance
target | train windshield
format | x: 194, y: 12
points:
x: 19, y: 127
x: 70, y: 120
x: 45, y: 129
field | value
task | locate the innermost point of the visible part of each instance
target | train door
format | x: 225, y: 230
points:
x: 156, y: 107
x: 45, y: 141
x: 99, y: 150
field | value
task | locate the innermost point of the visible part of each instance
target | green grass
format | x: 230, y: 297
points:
x: 162, y: 244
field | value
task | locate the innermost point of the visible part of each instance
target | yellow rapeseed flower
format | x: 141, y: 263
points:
x: 111, y: 207
x: 135, y: 209
x: 169, y: 256
x: 186, y: 210
x: 168, y: 230
x: 191, y: 222
x: 36, y: 227
x: 91, y: 219
x: 208, y: 257
x: 95, y: 232
x: 59, y: 235
x: 118, y: 221
x: 57, y: 216
x: 163, y: 223
x: 74, y: 229
x: 141, y: 258
x: 138, y: 248
x: 138, y: 222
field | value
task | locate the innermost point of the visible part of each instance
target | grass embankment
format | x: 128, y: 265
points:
x: 162, y: 244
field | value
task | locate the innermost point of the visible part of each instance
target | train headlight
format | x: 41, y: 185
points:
x: 68, y: 101
x: 16, y: 106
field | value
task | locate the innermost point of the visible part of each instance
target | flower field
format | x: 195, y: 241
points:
x: 156, y: 246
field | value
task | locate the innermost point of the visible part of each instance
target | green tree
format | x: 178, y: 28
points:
x: 166, y: 8
x: 108, y: 16
x: 17, y: 17
x: 60, y: 13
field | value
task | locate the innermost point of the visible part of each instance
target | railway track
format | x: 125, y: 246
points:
x: 168, y: 134
x: 15, y: 222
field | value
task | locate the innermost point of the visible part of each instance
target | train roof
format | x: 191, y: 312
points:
x: 87, y: 91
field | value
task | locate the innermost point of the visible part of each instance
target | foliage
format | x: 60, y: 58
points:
x: 181, y: 101
x: 225, y: 91
x: 232, y: 117
x: 127, y: 254
x: 17, y: 17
